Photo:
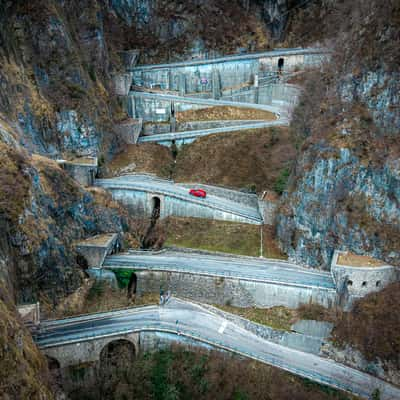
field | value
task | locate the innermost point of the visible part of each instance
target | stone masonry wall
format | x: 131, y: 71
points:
x: 234, y: 291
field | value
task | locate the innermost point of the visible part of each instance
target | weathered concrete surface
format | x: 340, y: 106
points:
x: 130, y: 130
x: 356, y: 282
x: 140, y: 192
x: 96, y: 248
x: 319, y: 329
x: 83, y: 171
x: 220, y: 74
x: 29, y: 313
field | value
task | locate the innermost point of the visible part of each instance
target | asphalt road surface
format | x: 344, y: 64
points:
x: 249, y: 268
x: 191, y: 320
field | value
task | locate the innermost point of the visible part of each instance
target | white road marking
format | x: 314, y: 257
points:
x: 222, y: 327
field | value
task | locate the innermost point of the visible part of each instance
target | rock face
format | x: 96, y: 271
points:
x: 342, y: 203
x: 275, y: 13
x: 344, y: 192
x: 41, y: 220
x: 23, y: 369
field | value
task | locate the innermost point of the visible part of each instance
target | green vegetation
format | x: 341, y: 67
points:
x: 123, y: 276
x: 282, y: 180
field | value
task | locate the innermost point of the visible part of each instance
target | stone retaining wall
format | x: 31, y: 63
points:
x: 234, y: 291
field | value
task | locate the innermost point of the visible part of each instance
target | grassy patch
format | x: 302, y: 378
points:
x: 146, y: 157
x: 100, y: 297
x: 280, y: 318
x: 227, y: 237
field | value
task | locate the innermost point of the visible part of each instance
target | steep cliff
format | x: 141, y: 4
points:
x: 23, y: 369
x: 344, y: 191
x: 57, y: 59
x: 42, y: 213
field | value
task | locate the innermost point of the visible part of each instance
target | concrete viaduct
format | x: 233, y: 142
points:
x: 81, y: 340
x: 145, y: 194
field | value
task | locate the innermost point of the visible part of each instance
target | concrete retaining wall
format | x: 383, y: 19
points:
x: 237, y: 292
x: 82, y: 173
x: 273, y: 94
x: 213, y: 76
x: 141, y: 203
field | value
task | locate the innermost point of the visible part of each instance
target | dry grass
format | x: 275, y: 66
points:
x: 227, y: 237
x: 281, y: 318
x: 224, y: 113
x: 146, y: 157
x: 15, y: 183
x: 253, y: 158
x: 98, y: 296
x: 23, y: 370
x: 355, y: 260
x: 373, y: 325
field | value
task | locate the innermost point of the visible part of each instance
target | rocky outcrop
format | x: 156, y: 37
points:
x: 23, y: 369
x: 42, y: 213
x: 344, y: 191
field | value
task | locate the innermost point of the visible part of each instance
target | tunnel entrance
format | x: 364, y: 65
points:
x: 132, y: 286
x: 156, y: 207
x: 148, y: 239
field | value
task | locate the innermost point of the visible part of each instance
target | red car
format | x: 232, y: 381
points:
x: 198, y: 192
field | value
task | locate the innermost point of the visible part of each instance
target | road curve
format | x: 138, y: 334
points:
x: 193, y: 321
x: 247, y: 268
x: 145, y: 183
x: 205, y: 132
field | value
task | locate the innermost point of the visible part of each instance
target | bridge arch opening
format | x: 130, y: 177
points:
x: 54, y: 369
x: 116, y: 355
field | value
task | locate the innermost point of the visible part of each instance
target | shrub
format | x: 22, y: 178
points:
x: 282, y: 180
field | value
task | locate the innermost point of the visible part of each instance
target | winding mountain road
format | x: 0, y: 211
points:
x: 193, y: 321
